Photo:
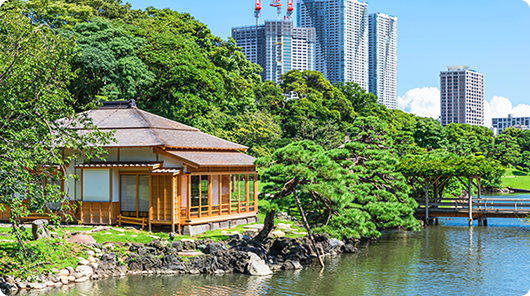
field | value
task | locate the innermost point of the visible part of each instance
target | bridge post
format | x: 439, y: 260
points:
x: 426, y: 199
x: 470, y: 204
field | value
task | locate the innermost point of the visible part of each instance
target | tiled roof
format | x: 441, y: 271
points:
x: 166, y: 171
x: 137, y: 128
x: 213, y: 158
x: 138, y: 164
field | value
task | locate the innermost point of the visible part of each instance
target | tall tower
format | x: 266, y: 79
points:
x: 382, y: 57
x: 462, y: 96
x: 342, y: 37
x: 277, y: 47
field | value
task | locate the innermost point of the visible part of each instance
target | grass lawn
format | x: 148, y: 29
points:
x: 519, y: 182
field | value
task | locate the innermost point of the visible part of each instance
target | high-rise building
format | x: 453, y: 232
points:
x: 462, y: 96
x: 342, y: 37
x: 277, y: 47
x: 500, y: 123
x: 382, y: 58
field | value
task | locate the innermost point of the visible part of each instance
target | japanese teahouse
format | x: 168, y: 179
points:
x: 161, y: 172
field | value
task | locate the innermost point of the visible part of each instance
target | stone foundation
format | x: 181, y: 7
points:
x: 193, y: 230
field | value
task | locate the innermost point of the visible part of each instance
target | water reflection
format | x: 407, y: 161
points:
x: 450, y: 259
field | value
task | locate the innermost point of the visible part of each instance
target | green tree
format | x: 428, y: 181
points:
x: 36, y: 116
x: 108, y: 63
x: 429, y: 133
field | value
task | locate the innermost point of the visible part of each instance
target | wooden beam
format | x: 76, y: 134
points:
x: 209, y: 196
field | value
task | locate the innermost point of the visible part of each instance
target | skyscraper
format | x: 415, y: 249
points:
x: 277, y: 47
x: 462, y: 96
x: 342, y: 37
x: 382, y: 57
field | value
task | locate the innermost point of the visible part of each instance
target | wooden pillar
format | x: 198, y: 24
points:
x: 470, y: 202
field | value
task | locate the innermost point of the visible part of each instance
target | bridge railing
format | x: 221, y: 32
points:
x: 478, y: 204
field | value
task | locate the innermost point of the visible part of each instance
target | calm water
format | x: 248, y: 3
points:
x: 450, y: 259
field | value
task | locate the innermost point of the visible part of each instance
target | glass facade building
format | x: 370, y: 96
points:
x: 278, y: 47
x: 342, y: 37
x: 382, y: 48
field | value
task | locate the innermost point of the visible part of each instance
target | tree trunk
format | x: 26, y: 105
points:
x: 268, y: 225
x: 308, y: 228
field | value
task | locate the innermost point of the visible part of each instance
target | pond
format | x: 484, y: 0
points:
x: 449, y: 259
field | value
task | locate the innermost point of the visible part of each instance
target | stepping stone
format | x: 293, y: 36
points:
x: 134, y: 235
x: 121, y: 234
x: 189, y: 254
x: 253, y: 226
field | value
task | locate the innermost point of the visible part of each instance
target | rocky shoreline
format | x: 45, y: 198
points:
x: 238, y: 254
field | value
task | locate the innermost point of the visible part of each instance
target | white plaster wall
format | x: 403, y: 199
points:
x: 96, y: 185
x: 137, y: 154
x: 170, y: 162
x: 112, y: 156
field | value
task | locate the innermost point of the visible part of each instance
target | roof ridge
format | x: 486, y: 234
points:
x: 152, y: 128
x: 140, y: 111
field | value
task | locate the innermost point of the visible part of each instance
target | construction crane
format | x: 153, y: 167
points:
x: 290, y: 9
x: 257, y: 11
x: 278, y: 5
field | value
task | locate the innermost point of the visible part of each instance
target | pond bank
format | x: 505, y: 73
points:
x: 238, y: 254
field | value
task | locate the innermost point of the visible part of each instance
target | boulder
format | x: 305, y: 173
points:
x: 39, y: 229
x: 188, y: 244
x: 107, y: 261
x: 147, y: 251
x: 259, y: 268
x: 278, y: 234
x: 283, y: 216
x: 81, y: 238
x: 335, y: 244
x: 84, y: 262
x: 37, y: 285
x: 349, y: 248
x: 85, y: 270
x: 212, y: 248
x: 8, y: 288
x: 177, y: 245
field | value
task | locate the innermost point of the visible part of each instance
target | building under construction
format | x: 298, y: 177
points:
x: 277, y: 46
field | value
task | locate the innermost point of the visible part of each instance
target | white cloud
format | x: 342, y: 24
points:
x: 501, y: 107
x: 426, y: 102
x: 421, y: 102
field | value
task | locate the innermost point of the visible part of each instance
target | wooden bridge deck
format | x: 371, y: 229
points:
x: 476, y: 209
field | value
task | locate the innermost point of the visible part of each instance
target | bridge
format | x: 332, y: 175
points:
x: 474, y: 208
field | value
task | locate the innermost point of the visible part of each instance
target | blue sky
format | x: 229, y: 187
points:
x: 492, y: 37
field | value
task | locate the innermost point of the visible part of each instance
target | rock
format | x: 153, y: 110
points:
x: 349, y: 248
x: 94, y: 266
x: 108, y: 261
x: 72, y: 278
x: 188, y: 244
x: 22, y: 285
x: 50, y: 284
x: 278, y: 234
x: 55, y: 278
x: 335, y: 243
x: 64, y: 280
x: 118, y: 229
x: 202, y: 248
x: 84, y: 262
x: 55, y: 235
x: 8, y: 288
x: 283, y: 226
x: 91, y: 253
x: 259, y: 268
x: 64, y: 272
x: 92, y: 259
x: 37, y: 285
x: 177, y: 245
x: 146, y: 251
x: 151, y: 262
x: 70, y: 269
x: 283, y: 216
x: 212, y: 248
x: 85, y: 270
x: 81, y: 238
x: 296, y: 265
x: 39, y: 229
x: 245, y: 237
x: 81, y: 280
x: 10, y: 279
x: 76, y: 275
x: 250, y: 232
